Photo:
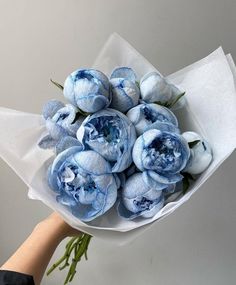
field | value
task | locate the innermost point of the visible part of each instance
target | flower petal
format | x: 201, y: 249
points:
x: 124, y: 72
x: 67, y: 142
x: 51, y: 107
x: 47, y: 142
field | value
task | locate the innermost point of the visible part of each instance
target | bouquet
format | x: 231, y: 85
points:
x: 128, y: 146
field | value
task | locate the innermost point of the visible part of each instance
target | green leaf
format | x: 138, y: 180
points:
x: 79, y: 114
x: 83, y: 113
x: 186, y: 181
x: 57, y: 84
x: 166, y: 104
x: 137, y: 83
x: 188, y: 175
x: 193, y: 143
x: 176, y: 99
x: 186, y: 184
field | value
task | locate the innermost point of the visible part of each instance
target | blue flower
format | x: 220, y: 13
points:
x: 152, y: 116
x: 200, y: 153
x: 61, y: 121
x: 155, y: 88
x: 138, y: 199
x: 88, y: 89
x: 111, y: 134
x: 161, y: 156
x: 124, y: 72
x: 83, y: 183
x: 125, y: 92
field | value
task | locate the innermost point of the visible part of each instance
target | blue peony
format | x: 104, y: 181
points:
x: 155, y: 88
x: 111, y: 134
x: 125, y: 92
x: 83, y: 183
x: 200, y: 153
x: 88, y: 89
x: 138, y: 199
x: 161, y: 156
x: 61, y: 121
x: 124, y: 72
x: 152, y: 116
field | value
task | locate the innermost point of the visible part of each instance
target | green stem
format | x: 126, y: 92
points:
x: 64, y: 257
x: 80, y: 252
x: 77, y: 245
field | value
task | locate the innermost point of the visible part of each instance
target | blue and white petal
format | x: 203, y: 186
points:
x: 88, y: 89
x: 145, y: 115
x: 111, y: 134
x: 125, y: 73
x: 155, y: 88
x: 138, y: 199
x: 51, y: 107
x: 65, y: 143
x: 125, y: 94
x: 161, y: 156
x: 200, y: 154
x: 83, y: 182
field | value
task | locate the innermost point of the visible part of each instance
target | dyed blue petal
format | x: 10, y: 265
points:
x: 47, y: 142
x: 135, y: 186
x: 84, y: 182
x: 163, y: 152
x: 51, y: 107
x: 92, y: 103
x: 66, y: 200
x: 161, y: 156
x: 61, y: 158
x: 172, y: 188
x: 67, y: 142
x: 92, y: 162
x: 153, y: 211
x: 88, y: 89
x: 74, y: 126
x: 153, y: 183
x: 175, y: 193
x: 161, y: 179
x: 164, y: 127
x: 123, y: 212
x: 117, y: 179
x: 111, y: 196
x: 201, y: 154
x: 155, y: 88
x: 52, y: 180
x: 125, y: 94
x: 124, y: 72
x: 137, y: 154
x: 145, y: 115
x: 138, y: 199
x: 56, y: 131
x: 87, y: 196
x: 65, y: 115
x: 84, y: 212
x: 111, y: 134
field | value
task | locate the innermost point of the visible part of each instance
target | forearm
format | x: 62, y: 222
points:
x: 34, y: 254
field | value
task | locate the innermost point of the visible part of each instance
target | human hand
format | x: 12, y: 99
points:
x: 55, y: 222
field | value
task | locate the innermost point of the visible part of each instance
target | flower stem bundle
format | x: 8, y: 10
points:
x: 75, y: 249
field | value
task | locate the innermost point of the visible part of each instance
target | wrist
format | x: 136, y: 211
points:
x: 55, y: 226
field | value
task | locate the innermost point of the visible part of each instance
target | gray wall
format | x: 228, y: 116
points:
x: 44, y: 39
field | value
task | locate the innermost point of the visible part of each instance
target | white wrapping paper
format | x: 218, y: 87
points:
x: 210, y: 110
